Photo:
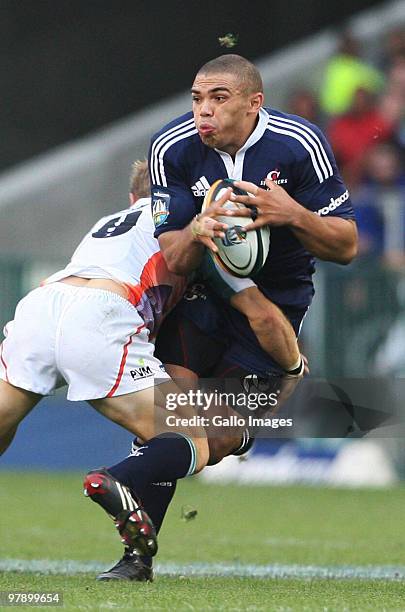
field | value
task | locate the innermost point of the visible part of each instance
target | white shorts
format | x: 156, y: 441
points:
x: 92, y: 340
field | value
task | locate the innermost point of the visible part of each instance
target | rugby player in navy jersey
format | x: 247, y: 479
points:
x: 295, y: 186
x: 296, y: 189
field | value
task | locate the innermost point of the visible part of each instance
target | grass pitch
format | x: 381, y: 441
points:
x: 301, y: 541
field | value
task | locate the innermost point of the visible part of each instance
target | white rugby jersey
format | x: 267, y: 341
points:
x: 122, y: 247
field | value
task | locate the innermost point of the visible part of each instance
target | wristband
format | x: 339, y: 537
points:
x: 299, y: 370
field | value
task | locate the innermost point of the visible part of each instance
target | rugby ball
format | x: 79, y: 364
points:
x: 240, y: 253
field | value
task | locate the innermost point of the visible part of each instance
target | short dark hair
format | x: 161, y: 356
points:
x: 238, y: 66
x: 139, y: 183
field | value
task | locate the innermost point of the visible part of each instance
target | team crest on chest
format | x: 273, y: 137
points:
x: 275, y: 175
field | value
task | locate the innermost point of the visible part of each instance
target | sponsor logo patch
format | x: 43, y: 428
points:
x: 334, y: 203
x: 160, y: 207
x: 141, y: 372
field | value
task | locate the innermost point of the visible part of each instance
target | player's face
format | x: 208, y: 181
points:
x: 224, y: 114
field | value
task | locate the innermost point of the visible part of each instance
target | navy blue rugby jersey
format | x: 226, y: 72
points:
x: 286, y: 148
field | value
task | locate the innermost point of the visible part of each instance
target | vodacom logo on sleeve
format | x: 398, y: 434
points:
x: 334, y: 203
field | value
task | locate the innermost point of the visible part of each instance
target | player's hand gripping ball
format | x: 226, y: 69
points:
x: 240, y: 253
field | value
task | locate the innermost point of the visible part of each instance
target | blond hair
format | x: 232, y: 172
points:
x: 139, y: 183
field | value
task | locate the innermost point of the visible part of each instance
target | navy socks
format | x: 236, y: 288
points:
x: 163, y: 459
x: 156, y: 499
x: 152, y: 470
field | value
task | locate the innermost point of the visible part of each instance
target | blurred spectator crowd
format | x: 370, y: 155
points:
x: 361, y: 108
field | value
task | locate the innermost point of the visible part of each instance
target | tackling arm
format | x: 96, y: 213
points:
x: 273, y: 331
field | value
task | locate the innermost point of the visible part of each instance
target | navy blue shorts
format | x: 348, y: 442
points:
x: 206, y: 335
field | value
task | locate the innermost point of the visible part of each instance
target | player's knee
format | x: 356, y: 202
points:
x: 222, y: 447
x: 202, y: 453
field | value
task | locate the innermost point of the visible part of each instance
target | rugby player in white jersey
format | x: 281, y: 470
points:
x: 89, y: 326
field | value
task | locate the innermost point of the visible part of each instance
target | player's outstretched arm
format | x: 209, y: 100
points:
x: 184, y: 249
x: 273, y: 331
x: 328, y: 238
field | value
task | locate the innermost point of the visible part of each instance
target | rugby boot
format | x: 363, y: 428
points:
x: 132, y: 522
x: 130, y: 567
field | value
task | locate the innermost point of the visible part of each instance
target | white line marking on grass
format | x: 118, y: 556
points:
x: 336, y: 572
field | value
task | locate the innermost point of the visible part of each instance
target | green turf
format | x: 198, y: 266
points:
x: 48, y: 518
x: 215, y: 594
